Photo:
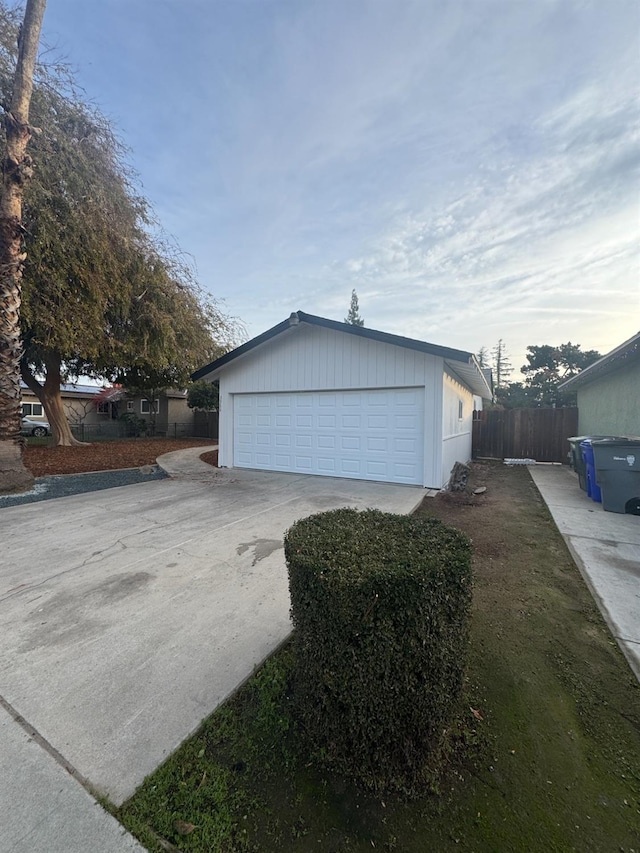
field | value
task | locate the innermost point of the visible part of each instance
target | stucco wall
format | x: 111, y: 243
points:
x: 179, y: 411
x: 611, y: 405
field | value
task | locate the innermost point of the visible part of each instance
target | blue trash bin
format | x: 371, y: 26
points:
x: 593, y: 489
x: 577, y: 462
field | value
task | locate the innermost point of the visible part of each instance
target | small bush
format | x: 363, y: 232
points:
x: 380, y: 605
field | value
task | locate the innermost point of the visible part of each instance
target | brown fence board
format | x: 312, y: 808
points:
x: 205, y: 424
x: 539, y: 434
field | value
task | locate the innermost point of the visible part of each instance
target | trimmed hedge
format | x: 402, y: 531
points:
x: 380, y: 605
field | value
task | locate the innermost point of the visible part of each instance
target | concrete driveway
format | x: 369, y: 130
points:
x: 128, y: 615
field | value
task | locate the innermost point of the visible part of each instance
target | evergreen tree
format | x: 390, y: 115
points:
x: 353, y: 318
x: 548, y: 366
x: 483, y: 357
x: 502, y: 368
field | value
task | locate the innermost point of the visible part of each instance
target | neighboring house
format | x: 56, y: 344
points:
x: 78, y: 401
x: 608, y: 392
x: 170, y: 407
x: 316, y: 396
x: 90, y: 405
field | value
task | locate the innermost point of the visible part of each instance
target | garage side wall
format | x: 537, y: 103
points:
x: 457, y: 425
x: 310, y: 358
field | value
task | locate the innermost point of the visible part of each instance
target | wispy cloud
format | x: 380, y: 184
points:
x: 471, y: 168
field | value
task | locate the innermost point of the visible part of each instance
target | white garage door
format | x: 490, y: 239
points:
x: 366, y: 435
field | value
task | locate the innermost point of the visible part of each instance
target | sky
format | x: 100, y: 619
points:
x: 471, y: 168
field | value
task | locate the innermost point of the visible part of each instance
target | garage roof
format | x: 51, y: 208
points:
x: 463, y: 364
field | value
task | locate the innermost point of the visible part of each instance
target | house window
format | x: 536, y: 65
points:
x: 459, y: 410
x: 102, y: 408
x: 145, y: 408
x: 32, y: 410
x: 130, y: 407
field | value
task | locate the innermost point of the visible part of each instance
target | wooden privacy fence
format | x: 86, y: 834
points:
x: 205, y: 424
x: 539, y: 434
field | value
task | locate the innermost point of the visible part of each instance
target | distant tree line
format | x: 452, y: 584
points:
x: 547, y: 367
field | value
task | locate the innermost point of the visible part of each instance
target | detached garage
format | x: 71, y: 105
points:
x: 315, y: 396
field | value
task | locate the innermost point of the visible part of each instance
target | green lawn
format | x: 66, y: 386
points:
x: 552, y: 765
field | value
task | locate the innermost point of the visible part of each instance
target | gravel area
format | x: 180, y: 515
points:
x: 63, y: 485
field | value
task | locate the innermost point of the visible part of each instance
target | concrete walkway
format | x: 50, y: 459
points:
x: 606, y: 549
x: 126, y: 617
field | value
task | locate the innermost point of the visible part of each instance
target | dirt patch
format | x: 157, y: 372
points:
x: 210, y: 458
x: 103, y: 456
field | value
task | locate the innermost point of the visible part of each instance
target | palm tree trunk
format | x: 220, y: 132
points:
x: 16, y: 170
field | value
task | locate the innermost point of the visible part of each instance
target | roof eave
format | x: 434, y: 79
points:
x: 605, y: 365
x: 475, y: 379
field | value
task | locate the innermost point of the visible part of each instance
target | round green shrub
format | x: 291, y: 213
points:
x: 380, y: 606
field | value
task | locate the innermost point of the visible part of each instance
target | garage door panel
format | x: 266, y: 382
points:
x: 407, y: 423
x: 407, y: 397
x: 405, y: 445
x: 327, y: 401
x: 350, y: 422
x: 380, y: 422
x: 353, y: 399
x: 379, y: 470
x: 350, y: 442
x: 376, y: 434
x: 326, y: 421
x: 326, y: 442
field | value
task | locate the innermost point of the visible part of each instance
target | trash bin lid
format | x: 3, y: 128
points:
x: 618, y: 441
x: 591, y: 439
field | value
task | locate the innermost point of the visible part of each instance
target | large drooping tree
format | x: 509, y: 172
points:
x: 16, y: 170
x: 103, y: 295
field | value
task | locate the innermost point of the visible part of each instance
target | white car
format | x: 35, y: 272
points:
x: 31, y: 427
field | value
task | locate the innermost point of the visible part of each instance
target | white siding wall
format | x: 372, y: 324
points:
x: 312, y: 358
x: 456, y: 430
